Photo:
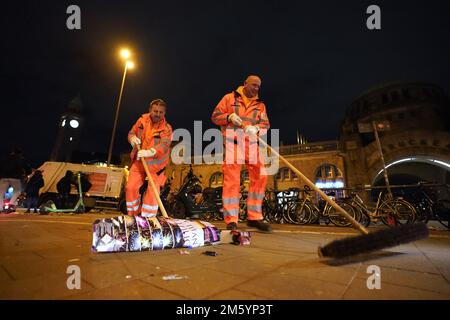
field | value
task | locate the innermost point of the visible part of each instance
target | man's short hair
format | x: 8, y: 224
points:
x: 159, y: 102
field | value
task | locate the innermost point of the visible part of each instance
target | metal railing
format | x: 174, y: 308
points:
x: 309, y: 147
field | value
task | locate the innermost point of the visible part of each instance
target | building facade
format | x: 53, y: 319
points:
x: 418, y: 139
x: 416, y: 147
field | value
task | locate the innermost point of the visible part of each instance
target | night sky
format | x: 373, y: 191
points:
x: 314, y: 58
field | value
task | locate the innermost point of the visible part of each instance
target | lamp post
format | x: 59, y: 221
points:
x: 128, y: 65
x: 375, y: 126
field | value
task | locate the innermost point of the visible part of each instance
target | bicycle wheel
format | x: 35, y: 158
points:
x: 401, y: 210
x: 423, y: 211
x: 360, y: 215
x: 300, y: 214
x: 243, y: 211
x: 442, y: 212
x: 337, y: 218
x: 364, y: 218
x: 267, y: 211
x: 286, y: 217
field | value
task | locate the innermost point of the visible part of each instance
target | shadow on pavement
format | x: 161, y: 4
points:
x: 360, y: 258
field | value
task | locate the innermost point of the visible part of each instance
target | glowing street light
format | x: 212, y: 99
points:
x: 125, y: 54
x: 130, y: 64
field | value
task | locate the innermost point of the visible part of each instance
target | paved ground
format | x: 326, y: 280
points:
x: 35, y: 252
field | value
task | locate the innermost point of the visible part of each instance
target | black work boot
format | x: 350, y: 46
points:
x: 260, y: 225
x: 232, y: 226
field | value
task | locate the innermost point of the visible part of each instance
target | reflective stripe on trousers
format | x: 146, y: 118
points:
x: 231, y: 187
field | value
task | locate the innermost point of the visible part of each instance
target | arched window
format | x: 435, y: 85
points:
x: 216, y: 179
x: 328, y: 176
x: 285, y: 174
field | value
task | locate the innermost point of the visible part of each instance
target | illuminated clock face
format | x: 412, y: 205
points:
x: 74, y: 123
x: 63, y: 123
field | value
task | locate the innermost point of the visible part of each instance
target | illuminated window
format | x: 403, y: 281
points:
x: 285, y: 174
x: 328, y: 176
x: 328, y: 171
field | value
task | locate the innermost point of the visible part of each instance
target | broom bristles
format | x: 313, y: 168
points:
x: 381, y: 239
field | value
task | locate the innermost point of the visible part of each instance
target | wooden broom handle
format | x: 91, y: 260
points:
x: 315, y: 188
x: 152, y: 184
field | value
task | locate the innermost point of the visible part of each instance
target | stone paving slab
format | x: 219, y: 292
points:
x: 198, y: 284
x: 35, y: 252
x: 358, y: 290
x: 280, y: 285
x: 129, y: 290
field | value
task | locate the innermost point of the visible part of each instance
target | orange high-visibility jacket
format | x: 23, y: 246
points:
x: 253, y: 114
x: 157, y: 136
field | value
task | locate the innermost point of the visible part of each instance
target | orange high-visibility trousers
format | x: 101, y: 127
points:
x: 149, y: 206
x: 232, y: 177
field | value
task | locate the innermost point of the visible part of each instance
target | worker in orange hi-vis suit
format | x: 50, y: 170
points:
x: 242, y: 116
x: 154, y: 135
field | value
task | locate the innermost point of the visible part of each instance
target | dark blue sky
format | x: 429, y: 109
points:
x: 314, y: 59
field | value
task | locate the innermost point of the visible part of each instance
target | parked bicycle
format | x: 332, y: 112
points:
x: 306, y: 211
x: 430, y: 208
x: 390, y: 210
x: 276, y: 204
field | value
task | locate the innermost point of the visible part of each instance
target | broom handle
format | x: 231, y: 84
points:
x: 155, y: 191
x: 355, y: 223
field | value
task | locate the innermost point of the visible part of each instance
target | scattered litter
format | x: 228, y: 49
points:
x: 184, y: 252
x: 73, y: 260
x: 210, y: 253
x: 174, y: 277
x: 128, y: 276
x: 242, y: 238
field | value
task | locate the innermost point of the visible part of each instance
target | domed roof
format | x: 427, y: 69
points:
x: 392, y: 94
x: 389, y: 85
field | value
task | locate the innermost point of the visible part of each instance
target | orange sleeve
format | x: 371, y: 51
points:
x: 134, y: 129
x: 263, y: 121
x: 221, y: 113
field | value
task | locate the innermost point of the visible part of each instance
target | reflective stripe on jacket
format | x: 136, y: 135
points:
x: 157, y: 136
x: 254, y: 114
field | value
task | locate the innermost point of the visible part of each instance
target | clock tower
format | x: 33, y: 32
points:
x: 69, y: 131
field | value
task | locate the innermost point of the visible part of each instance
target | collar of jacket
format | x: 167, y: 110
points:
x: 237, y: 94
x: 147, y: 119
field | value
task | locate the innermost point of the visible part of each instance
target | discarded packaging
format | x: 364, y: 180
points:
x: 242, y: 238
x: 136, y: 233
x: 174, y: 277
x: 210, y: 253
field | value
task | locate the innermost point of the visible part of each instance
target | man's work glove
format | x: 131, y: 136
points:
x: 251, y: 130
x: 235, y: 119
x: 135, y: 141
x: 146, y: 153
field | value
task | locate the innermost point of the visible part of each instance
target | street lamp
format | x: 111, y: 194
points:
x: 125, y: 54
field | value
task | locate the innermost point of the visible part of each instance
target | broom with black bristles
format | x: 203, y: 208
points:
x: 366, y: 241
